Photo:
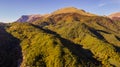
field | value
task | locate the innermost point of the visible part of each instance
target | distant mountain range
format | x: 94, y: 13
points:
x: 68, y: 37
x: 32, y: 18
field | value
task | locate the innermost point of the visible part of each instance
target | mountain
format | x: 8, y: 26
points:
x: 33, y: 18
x: 68, y: 37
x: 72, y: 10
x: 60, y: 14
x: 95, y: 33
x: 115, y: 16
x: 29, y: 18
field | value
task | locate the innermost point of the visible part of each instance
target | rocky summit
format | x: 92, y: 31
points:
x: 29, y: 18
x: 115, y: 16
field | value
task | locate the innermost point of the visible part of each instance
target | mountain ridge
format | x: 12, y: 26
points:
x: 35, y: 17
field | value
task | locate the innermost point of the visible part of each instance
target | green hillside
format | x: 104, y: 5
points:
x: 98, y: 34
x: 41, y: 48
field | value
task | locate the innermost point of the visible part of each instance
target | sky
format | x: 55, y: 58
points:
x: 11, y: 10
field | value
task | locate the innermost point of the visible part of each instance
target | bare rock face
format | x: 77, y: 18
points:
x: 115, y: 16
x: 29, y: 18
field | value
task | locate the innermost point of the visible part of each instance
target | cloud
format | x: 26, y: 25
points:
x: 101, y: 5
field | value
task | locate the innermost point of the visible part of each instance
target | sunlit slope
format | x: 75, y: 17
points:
x: 43, y: 48
x: 68, y: 19
x: 72, y: 10
x: 115, y: 16
x: 95, y: 33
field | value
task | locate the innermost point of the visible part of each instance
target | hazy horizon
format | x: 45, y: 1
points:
x: 12, y: 10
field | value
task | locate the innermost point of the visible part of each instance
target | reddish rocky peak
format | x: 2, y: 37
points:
x: 115, y: 16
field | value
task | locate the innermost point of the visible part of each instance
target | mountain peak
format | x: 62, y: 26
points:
x: 72, y: 10
x: 29, y: 18
x: 69, y: 8
x: 115, y: 16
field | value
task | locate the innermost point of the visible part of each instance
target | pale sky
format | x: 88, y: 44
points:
x: 11, y: 10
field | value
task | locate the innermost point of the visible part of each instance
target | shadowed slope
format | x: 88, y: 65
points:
x: 10, y: 50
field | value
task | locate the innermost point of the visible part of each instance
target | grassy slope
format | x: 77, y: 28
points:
x: 43, y: 48
x: 67, y: 39
x: 97, y: 34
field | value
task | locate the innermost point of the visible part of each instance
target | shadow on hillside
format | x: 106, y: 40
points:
x: 117, y: 48
x: 104, y: 31
x: 10, y: 50
x: 117, y: 38
x: 84, y: 55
